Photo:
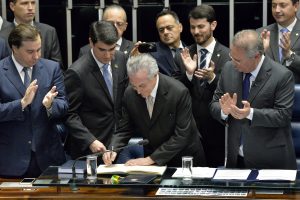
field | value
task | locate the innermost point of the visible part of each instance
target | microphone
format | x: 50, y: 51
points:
x: 141, y: 142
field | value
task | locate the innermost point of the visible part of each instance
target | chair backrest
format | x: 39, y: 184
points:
x: 296, y: 122
x: 296, y: 109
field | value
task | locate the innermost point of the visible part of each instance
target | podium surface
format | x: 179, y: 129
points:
x: 51, y: 185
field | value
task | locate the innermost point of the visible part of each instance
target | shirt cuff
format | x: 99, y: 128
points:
x: 250, y: 116
x: 190, y: 77
x: 223, y: 116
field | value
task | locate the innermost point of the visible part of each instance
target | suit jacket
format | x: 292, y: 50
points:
x: 3, y: 49
x: 93, y: 114
x: 126, y: 47
x: 165, y: 61
x: 267, y: 141
x: 50, y: 44
x: 5, y: 24
x: 171, y: 131
x: 273, y: 51
x: 22, y: 130
x: 202, y: 93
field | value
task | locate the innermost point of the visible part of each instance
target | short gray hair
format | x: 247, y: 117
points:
x: 250, y: 41
x: 140, y: 62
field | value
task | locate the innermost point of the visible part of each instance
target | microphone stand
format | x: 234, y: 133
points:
x: 226, y: 142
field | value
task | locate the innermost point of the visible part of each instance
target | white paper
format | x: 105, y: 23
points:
x: 197, y: 172
x: 234, y: 174
x: 121, y: 168
x: 273, y: 174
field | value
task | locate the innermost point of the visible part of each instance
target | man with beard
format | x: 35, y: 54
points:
x: 203, y: 62
x: 281, y: 39
x: 169, y: 29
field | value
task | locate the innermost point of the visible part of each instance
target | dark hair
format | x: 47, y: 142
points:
x: 103, y: 31
x: 203, y: 11
x: 167, y: 12
x: 21, y: 33
x: 294, y: 1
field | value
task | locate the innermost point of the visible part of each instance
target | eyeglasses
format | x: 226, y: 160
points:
x: 118, y: 24
x: 234, y: 60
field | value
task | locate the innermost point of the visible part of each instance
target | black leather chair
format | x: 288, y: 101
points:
x: 296, y: 123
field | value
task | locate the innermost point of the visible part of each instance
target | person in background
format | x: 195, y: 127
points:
x: 169, y: 29
x: 117, y: 15
x: 32, y: 101
x: 159, y: 108
x: 4, y: 23
x: 24, y: 12
x: 203, y: 62
x: 281, y: 39
x: 95, y: 84
x: 255, y: 97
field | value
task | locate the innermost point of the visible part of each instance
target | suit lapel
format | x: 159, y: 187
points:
x: 274, y: 42
x: 98, y: 76
x: 114, y: 71
x: 295, y: 34
x: 160, y: 100
x: 261, y: 79
x: 13, y: 75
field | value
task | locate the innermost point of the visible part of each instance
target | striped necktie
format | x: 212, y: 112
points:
x: 26, y: 77
x: 283, y: 30
x: 203, y: 53
x: 108, y: 79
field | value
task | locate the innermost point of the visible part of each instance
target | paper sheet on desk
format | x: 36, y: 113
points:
x: 198, y: 172
x: 234, y: 174
x: 273, y: 174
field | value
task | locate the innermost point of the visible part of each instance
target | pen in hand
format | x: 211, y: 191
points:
x: 111, y: 153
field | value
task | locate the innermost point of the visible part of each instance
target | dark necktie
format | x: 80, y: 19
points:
x: 246, y: 86
x: 107, y: 78
x: 203, y: 53
x: 176, y: 51
x: 150, y: 104
x: 26, y: 77
x: 283, y: 30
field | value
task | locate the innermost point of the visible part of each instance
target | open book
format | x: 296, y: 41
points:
x: 122, y: 169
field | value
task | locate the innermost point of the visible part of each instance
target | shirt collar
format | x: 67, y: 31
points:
x: 100, y: 64
x: 289, y: 27
x: 16, y: 24
x: 154, y: 91
x: 1, y: 22
x: 210, y: 47
x: 255, y: 72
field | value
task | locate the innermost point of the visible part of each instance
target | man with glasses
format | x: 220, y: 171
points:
x: 282, y: 39
x: 203, y: 62
x: 255, y: 97
x: 159, y: 108
x: 95, y: 84
x: 117, y: 15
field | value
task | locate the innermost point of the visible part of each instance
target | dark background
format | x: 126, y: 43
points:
x: 248, y: 14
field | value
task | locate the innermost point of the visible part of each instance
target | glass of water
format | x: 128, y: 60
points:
x: 187, y: 168
x: 91, y: 167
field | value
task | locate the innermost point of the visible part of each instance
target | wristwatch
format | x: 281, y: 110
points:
x: 291, y: 58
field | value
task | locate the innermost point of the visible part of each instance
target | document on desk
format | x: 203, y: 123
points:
x: 232, y: 174
x: 274, y: 174
x: 122, y: 169
x: 197, y: 172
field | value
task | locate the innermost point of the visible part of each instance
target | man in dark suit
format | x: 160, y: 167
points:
x: 117, y: 15
x: 201, y: 77
x: 3, y: 48
x: 3, y: 23
x: 159, y: 108
x: 24, y: 12
x: 255, y: 97
x: 29, y: 111
x: 95, y: 84
x: 282, y: 39
x: 169, y: 29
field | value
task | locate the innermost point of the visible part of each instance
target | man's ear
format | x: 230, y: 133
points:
x: 12, y: 6
x: 213, y: 25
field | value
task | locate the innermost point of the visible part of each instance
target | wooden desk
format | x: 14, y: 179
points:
x: 114, y: 193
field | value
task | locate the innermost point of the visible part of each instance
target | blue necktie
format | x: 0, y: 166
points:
x: 107, y: 78
x: 203, y: 58
x: 246, y: 86
x: 26, y: 77
x: 283, y: 30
